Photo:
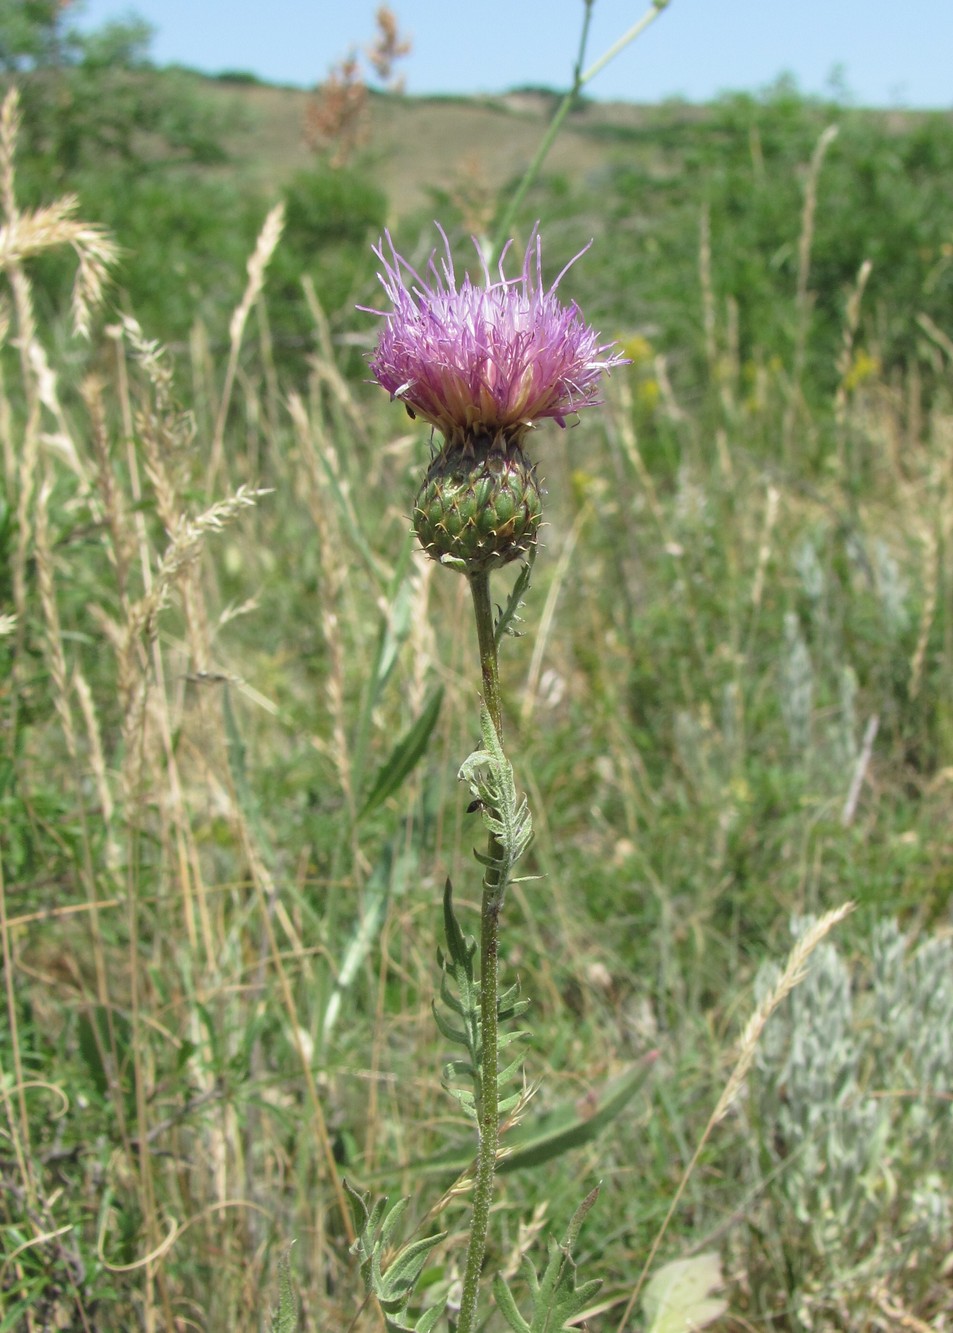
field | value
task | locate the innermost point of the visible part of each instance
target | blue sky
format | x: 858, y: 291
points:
x: 888, y: 54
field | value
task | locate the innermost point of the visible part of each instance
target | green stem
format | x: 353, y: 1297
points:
x: 547, y: 141
x: 488, y: 1097
x: 580, y: 78
x: 486, y: 637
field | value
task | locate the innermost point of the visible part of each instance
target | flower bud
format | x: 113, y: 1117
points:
x: 479, y: 507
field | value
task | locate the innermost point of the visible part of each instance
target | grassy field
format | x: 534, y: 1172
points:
x: 731, y: 710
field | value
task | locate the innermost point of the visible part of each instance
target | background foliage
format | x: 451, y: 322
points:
x: 221, y: 873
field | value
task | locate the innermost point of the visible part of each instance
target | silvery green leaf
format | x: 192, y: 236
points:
x: 448, y: 1029
x: 507, y: 1038
x: 506, y: 815
x: 510, y: 1071
x: 405, y: 1269
x: 680, y: 1298
x: 429, y: 1319
x: 466, y: 1100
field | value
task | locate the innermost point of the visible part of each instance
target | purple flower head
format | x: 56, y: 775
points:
x: 485, y: 361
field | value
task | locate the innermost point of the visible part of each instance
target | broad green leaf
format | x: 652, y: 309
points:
x: 405, y: 754
x: 680, y: 1299
x: 539, y: 1140
x: 389, y: 875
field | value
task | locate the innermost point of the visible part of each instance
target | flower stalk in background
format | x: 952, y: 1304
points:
x: 484, y: 364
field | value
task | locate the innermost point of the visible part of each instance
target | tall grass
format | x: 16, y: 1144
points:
x: 219, y: 902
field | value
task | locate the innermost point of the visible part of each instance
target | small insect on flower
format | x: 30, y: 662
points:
x: 483, y: 364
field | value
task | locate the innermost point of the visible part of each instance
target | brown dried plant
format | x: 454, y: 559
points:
x: 336, y: 118
x: 472, y: 194
x: 387, y: 48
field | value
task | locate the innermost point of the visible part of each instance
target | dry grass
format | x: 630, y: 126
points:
x: 232, y: 965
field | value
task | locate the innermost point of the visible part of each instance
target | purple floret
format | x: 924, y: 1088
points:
x: 485, y: 361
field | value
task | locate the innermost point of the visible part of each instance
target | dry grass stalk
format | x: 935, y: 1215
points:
x: 860, y: 771
x: 268, y: 898
x: 57, y: 667
x: 53, y: 637
x: 24, y: 235
x: 324, y: 364
x: 59, y: 441
x: 807, y: 216
x: 9, y: 129
x: 151, y: 747
x: 795, y: 970
x: 18, y: 1120
x: 117, y: 520
x: 257, y: 264
x: 97, y: 761
x: 851, y: 323
x: 936, y: 335
x: 772, y: 501
x: 803, y: 299
x: 11, y: 445
x: 707, y: 292
x: 323, y: 508
x: 560, y: 575
x: 27, y: 234
x: 185, y: 546
x: 931, y: 579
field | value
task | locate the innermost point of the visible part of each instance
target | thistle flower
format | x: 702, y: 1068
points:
x: 483, y: 364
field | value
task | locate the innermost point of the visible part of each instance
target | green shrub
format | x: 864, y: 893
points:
x: 331, y: 219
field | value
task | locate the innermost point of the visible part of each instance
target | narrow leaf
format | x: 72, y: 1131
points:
x: 507, y: 1306
x: 508, y: 615
x: 429, y: 1320
x: 452, y: 1033
x: 405, y: 754
x: 460, y: 951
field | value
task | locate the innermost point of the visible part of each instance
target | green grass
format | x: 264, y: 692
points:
x: 747, y: 559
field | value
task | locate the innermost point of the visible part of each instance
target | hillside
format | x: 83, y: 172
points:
x: 420, y: 144
x: 417, y: 145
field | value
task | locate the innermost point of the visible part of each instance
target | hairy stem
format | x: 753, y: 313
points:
x: 486, y: 637
x: 488, y: 1086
